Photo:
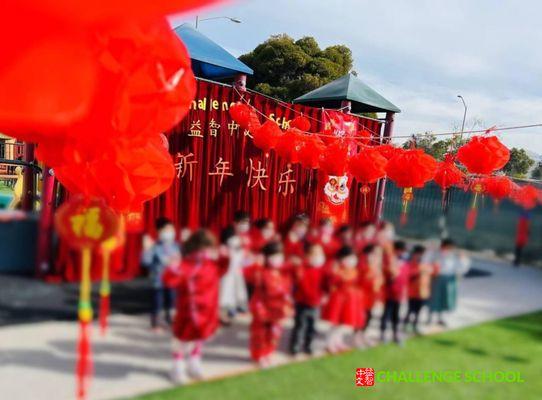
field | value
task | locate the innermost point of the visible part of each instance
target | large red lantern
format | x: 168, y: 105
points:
x: 388, y: 150
x: 410, y: 169
x: 368, y: 166
x: 483, y: 155
x: 301, y: 122
x: 334, y: 160
x: 289, y: 143
x: 310, y: 152
x: 245, y: 116
x: 267, y: 136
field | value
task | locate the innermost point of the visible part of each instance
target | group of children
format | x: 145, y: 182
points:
x: 310, y: 273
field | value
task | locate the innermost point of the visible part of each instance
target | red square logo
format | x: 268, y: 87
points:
x: 365, y: 376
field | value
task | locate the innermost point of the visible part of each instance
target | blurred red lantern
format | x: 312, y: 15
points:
x: 334, y: 160
x: 410, y: 169
x: 497, y: 186
x: 388, y: 150
x: 483, y: 155
x: 48, y: 79
x: 89, y: 12
x: 245, y: 116
x: 289, y: 143
x: 368, y: 166
x: 525, y: 196
x: 310, y: 152
x: 302, y: 123
x: 448, y: 174
x: 267, y: 136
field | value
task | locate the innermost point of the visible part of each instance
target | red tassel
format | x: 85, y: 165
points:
x: 470, y: 222
x: 104, y: 313
x: 404, y: 218
x: 84, y: 360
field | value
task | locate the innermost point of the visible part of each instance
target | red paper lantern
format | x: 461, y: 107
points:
x: 368, y: 166
x: 410, y: 169
x: 245, y: 116
x: 483, y: 154
x: 526, y: 196
x: 302, y: 123
x: 310, y: 152
x: 447, y: 174
x: 289, y: 143
x: 388, y: 150
x: 497, y: 186
x: 334, y: 160
x: 267, y: 136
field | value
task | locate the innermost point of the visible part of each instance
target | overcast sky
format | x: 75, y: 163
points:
x: 418, y: 54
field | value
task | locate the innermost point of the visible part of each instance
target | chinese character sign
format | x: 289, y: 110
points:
x: 86, y: 223
x: 220, y: 170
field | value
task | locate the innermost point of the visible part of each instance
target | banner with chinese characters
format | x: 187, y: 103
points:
x: 220, y: 171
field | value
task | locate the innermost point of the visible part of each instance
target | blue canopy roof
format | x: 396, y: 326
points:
x: 209, y: 60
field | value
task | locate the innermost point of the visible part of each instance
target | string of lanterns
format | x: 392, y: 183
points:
x: 474, y: 166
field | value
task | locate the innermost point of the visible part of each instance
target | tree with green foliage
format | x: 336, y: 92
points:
x: 519, y: 163
x: 434, y: 147
x: 537, y: 171
x: 285, y: 68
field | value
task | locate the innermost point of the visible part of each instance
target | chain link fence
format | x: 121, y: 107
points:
x: 495, y: 228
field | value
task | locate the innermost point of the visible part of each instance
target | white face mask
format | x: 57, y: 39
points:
x: 167, y: 235
x: 327, y: 230
x: 243, y: 227
x: 350, y: 261
x: 267, y: 233
x: 301, y: 231
x: 317, y: 261
x: 276, y: 260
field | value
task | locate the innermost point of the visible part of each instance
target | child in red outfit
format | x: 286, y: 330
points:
x: 346, y: 305
x: 395, y: 271
x: 370, y: 281
x: 296, y: 238
x: 269, y: 304
x: 196, y: 280
x: 324, y: 236
x: 309, y: 286
x: 263, y: 232
x: 419, y: 286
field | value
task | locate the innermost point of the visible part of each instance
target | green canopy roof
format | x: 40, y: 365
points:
x: 348, y: 87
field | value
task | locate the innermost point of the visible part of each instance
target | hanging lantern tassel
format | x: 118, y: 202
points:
x: 105, y: 292
x: 408, y: 195
x: 84, y: 356
x: 472, y: 215
x: 365, y: 189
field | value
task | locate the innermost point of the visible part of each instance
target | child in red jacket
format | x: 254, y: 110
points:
x: 346, y: 305
x: 196, y: 280
x: 370, y: 281
x: 269, y: 303
x: 309, y: 286
x: 395, y: 271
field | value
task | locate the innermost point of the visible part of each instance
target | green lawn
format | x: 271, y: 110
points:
x: 510, y: 344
